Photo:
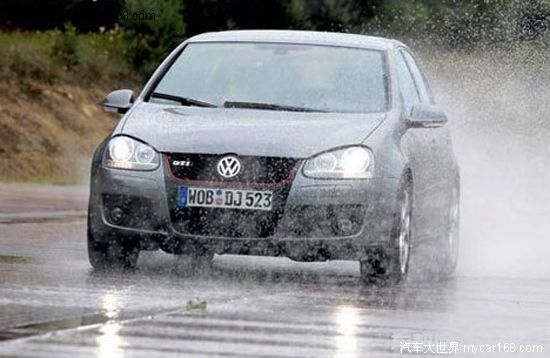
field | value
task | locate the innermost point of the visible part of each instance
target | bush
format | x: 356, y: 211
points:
x: 26, y: 56
x: 105, y: 57
x: 66, y: 47
x: 26, y: 64
x: 65, y: 56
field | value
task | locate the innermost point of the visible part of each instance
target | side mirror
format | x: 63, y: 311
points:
x: 119, y: 101
x: 427, y: 116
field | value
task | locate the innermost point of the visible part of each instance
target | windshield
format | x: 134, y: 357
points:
x: 275, y: 76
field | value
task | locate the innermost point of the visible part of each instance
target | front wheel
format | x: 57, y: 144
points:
x: 111, y: 255
x: 393, y: 264
x: 450, y: 244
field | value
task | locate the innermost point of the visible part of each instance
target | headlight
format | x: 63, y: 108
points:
x: 348, y: 163
x: 127, y: 153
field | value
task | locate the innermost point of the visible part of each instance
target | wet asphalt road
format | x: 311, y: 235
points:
x: 53, y: 304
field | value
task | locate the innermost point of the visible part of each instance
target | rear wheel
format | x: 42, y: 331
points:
x: 393, y: 264
x: 112, y: 255
x: 450, y: 244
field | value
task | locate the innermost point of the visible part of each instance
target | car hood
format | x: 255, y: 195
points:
x: 244, y: 131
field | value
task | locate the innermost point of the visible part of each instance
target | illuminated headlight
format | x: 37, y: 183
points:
x: 347, y: 163
x: 127, y: 153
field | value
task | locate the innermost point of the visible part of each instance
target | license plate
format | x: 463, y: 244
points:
x: 225, y: 198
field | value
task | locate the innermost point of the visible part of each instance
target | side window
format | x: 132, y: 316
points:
x: 422, y: 84
x: 406, y: 84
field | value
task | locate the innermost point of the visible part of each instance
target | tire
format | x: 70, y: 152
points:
x: 451, y: 242
x: 112, y: 255
x: 392, y: 265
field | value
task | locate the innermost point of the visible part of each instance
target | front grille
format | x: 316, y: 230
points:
x: 254, y: 170
x: 256, y: 173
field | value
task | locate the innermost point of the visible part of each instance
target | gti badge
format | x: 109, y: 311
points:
x: 229, y: 166
x: 181, y: 163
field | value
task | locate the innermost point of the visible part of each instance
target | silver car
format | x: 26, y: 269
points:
x: 314, y: 146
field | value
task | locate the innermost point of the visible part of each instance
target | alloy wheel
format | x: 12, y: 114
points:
x: 404, y: 239
x: 454, y: 219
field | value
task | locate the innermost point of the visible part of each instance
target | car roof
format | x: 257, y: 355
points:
x: 299, y: 37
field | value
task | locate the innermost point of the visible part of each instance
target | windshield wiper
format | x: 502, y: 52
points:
x: 268, y: 106
x: 184, y: 101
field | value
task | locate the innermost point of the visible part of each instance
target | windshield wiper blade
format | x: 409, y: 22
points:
x: 268, y: 106
x: 184, y: 101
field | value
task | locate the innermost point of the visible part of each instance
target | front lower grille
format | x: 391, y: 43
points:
x: 225, y: 222
x: 254, y: 170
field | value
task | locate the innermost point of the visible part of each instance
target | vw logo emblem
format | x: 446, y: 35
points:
x: 229, y: 166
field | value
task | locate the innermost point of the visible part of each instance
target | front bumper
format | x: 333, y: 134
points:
x: 145, y: 198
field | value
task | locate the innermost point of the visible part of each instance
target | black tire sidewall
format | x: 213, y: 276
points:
x: 115, y: 254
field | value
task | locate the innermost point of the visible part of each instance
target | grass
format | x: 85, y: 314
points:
x: 68, y: 57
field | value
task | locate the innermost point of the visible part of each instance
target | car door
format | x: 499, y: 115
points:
x: 422, y: 146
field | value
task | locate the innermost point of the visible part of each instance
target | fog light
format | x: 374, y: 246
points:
x: 117, y: 215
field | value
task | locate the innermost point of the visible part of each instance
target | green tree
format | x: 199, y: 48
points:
x: 153, y: 28
x: 324, y: 15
